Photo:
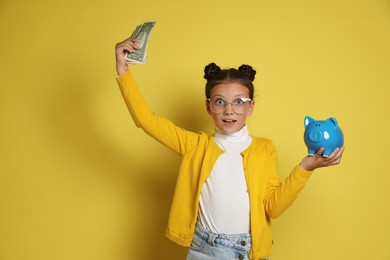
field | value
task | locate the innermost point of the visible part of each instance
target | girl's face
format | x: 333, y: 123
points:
x: 228, y: 120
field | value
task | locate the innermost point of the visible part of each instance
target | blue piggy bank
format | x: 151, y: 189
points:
x: 322, y: 133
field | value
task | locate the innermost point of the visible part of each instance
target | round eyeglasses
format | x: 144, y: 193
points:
x: 218, y: 105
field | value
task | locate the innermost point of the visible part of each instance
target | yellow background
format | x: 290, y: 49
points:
x: 78, y: 180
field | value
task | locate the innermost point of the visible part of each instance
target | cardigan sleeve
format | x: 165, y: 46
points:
x: 160, y: 128
x: 280, y: 195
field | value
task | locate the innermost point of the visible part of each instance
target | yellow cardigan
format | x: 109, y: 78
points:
x: 267, y: 195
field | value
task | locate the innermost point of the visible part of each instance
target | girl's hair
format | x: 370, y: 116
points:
x: 214, y: 75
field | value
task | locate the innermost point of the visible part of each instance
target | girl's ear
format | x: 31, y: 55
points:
x: 251, y: 108
x: 208, y: 107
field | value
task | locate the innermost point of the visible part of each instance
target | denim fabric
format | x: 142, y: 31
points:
x: 207, y: 245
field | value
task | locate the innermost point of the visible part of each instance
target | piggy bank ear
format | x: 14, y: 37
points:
x: 308, y: 120
x: 333, y: 121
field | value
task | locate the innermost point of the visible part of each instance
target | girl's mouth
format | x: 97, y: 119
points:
x: 229, y: 121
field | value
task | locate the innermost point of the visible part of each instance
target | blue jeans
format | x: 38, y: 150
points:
x: 207, y: 245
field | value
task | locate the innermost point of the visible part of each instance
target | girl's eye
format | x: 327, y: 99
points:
x: 239, y: 101
x: 220, y: 102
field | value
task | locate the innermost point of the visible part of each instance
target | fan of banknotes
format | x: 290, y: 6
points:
x: 142, y: 34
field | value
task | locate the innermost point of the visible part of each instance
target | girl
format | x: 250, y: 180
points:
x: 228, y: 187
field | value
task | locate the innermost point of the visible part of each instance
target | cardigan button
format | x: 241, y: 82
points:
x: 243, y: 243
x: 240, y: 257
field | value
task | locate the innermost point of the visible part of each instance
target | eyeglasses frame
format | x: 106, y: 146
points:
x: 243, y: 99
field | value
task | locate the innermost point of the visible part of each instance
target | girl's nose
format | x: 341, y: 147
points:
x: 229, y: 109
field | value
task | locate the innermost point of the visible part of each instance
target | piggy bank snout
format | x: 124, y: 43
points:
x: 315, y: 136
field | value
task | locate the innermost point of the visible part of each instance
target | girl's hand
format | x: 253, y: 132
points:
x: 311, y: 163
x: 121, y: 48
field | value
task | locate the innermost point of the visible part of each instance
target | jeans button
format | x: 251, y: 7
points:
x: 243, y: 243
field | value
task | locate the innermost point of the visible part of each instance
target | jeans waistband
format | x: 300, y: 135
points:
x: 239, y: 241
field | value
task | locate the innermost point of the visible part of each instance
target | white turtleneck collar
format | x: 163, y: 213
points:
x: 239, y: 136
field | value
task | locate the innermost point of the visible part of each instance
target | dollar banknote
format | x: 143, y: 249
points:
x: 142, y: 34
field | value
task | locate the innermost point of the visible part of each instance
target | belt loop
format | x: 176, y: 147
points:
x: 211, y: 239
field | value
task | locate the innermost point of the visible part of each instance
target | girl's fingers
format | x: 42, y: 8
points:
x: 319, y: 152
x: 125, y: 46
x: 129, y: 45
x: 336, y: 155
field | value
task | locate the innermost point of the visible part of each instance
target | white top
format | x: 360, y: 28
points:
x: 224, y: 200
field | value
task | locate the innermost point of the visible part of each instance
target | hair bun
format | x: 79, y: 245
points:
x: 211, y: 70
x: 248, y: 71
